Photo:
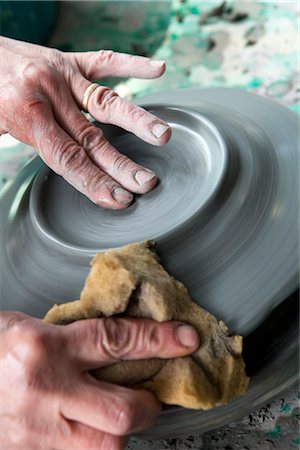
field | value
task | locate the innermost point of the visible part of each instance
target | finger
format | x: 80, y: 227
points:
x: 130, y: 175
x: 81, y: 436
x: 9, y: 318
x: 106, y: 106
x: 68, y: 159
x: 106, y: 407
x: 103, y: 63
x: 98, y: 342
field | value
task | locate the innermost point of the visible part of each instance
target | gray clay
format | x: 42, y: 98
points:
x: 224, y: 216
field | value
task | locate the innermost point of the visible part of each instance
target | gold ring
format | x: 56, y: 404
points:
x: 86, y: 96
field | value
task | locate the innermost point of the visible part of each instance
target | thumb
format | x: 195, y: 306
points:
x: 99, y: 342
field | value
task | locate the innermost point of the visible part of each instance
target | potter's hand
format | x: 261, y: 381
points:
x: 49, y: 399
x: 41, y: 92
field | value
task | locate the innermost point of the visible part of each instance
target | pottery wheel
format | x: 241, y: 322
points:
x: 224, y: 217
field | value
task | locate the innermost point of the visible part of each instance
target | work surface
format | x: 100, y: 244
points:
x: 249, y: 45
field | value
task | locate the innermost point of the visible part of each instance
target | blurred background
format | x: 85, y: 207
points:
x: 250, y: 45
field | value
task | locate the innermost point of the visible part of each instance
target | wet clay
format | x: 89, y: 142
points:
x: 132, y: 282
x: 224, y: 217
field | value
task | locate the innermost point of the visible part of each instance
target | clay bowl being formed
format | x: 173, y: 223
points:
x: 224, y: 217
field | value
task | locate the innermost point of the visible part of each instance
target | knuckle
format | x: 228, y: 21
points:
x: 62, y: 64
x: 91, y: 137
x: 105, y: 97
x: 34, y: 71
x: 146, y: 337
x: 114, y: 338
x: 105, y: 56
x: 32, y: 341
x: 153, y: 340
x: 97, y: 183
x: 8, y: 320
x: 99, y: 180
x: 121, y: 163
x: 31, y: 351
x: 124, y: 416
x: 137, y: 114
x: 67, y: 158
x: 35, y: 340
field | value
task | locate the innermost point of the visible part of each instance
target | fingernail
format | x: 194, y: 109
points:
x: 143, y: 176
x: 122, y: 196
x: 187, y: 336
x: 156, y: 63
x: 158, y: 129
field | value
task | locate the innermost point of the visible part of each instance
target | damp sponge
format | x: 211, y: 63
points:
x: 131, y: 282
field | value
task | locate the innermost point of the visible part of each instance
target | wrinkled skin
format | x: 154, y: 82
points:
x: 41, y: 93
x: 49, y: 399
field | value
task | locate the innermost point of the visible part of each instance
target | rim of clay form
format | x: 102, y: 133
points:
x: 210, y: 159
x: 224, y: 216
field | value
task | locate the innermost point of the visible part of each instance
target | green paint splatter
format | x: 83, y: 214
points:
x: 273, y: 433
x: 194, y: 10
x: 256, y: 82
x: 285, y: 408
x: 296, y: 441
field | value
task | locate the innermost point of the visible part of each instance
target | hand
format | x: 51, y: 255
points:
x: 41, y: 93
x: 48, y: 396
